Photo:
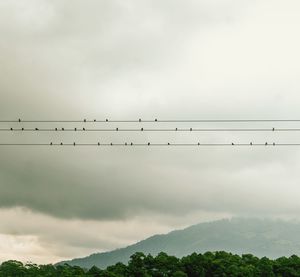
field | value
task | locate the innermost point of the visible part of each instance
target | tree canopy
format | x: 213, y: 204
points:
x: 209, y: 264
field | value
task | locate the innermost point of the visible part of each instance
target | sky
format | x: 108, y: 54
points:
x: 171, y: 59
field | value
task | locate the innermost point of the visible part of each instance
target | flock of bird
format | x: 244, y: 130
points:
x: 143, y: 129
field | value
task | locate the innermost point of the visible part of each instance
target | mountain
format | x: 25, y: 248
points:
x: 271, y: 238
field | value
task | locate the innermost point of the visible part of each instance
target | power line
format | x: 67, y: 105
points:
x: 266, y: 144
x: 151, y: 130
x: 151, y: 120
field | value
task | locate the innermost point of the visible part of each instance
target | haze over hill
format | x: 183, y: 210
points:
x: 259, y: 237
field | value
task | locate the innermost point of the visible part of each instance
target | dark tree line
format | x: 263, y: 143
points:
x: 140, y: 265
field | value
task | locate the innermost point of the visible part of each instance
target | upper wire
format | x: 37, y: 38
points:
x: 151, y: 120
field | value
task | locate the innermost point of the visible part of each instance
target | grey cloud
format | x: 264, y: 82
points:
x: 79, y: 52
x: 117, y: 185
x: 148, y: 59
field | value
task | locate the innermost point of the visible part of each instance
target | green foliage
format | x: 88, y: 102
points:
x: 210, y: 264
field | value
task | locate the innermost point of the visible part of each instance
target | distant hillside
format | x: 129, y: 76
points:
x: 258, y: 237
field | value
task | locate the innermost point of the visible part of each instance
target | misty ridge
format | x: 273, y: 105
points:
x: 260, y: 237
x: 190, y: 252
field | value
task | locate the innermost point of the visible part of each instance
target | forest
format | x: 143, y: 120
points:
x: 218, y: 263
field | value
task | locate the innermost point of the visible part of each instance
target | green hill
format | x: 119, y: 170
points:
x: 258, y: 237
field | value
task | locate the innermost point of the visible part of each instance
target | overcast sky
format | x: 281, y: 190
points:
x: 166, y: 59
